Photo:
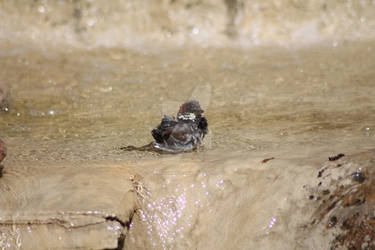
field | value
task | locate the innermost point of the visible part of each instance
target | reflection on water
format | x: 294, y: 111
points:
x: 75, y: 107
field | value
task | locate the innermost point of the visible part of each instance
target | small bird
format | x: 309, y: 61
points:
x: 183, y: 134
x: 176, y: 136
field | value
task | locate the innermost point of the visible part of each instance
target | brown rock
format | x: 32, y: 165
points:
x: 346, y: 210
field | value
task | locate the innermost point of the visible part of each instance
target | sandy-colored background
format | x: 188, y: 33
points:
x: 118, y: 23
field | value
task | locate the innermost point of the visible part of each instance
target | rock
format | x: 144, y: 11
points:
x: 57, y: 207
x: 345, y: 202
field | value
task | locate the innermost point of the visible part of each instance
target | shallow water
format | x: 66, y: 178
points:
x: 73, y: 108
x: 255, y: 100
x: 88, y: 77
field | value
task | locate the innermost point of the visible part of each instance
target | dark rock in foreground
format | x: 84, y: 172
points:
x: 345, y: 199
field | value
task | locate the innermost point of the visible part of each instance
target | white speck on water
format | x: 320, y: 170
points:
x: 41, y: 9
x: 272, y: 222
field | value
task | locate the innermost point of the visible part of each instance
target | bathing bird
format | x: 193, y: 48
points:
x: 177, y: 135
x: 184, y: 133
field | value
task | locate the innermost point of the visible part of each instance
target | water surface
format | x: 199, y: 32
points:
x: 72, y: 108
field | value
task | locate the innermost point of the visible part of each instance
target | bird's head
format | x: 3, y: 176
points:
x: 189, y: 111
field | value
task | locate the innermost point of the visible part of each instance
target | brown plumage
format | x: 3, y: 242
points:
x: 183, y: 134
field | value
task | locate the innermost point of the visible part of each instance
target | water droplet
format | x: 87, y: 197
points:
x: 91, y: 22
x: 272, y: 222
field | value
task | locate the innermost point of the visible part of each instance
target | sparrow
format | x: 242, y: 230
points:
x: 184, y: 133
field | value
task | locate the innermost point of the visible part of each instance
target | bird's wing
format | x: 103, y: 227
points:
x: 164, y: 130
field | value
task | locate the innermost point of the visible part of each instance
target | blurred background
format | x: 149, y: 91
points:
x: 117, y: 23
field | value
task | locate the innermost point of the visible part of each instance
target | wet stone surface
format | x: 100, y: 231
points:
x: 4, y: 99
x: 345, y: 202
x: 86, y: 207
x: 3, y: 153
x: 71, y: 110
x: 3, y: 150
x: 284, y: 85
